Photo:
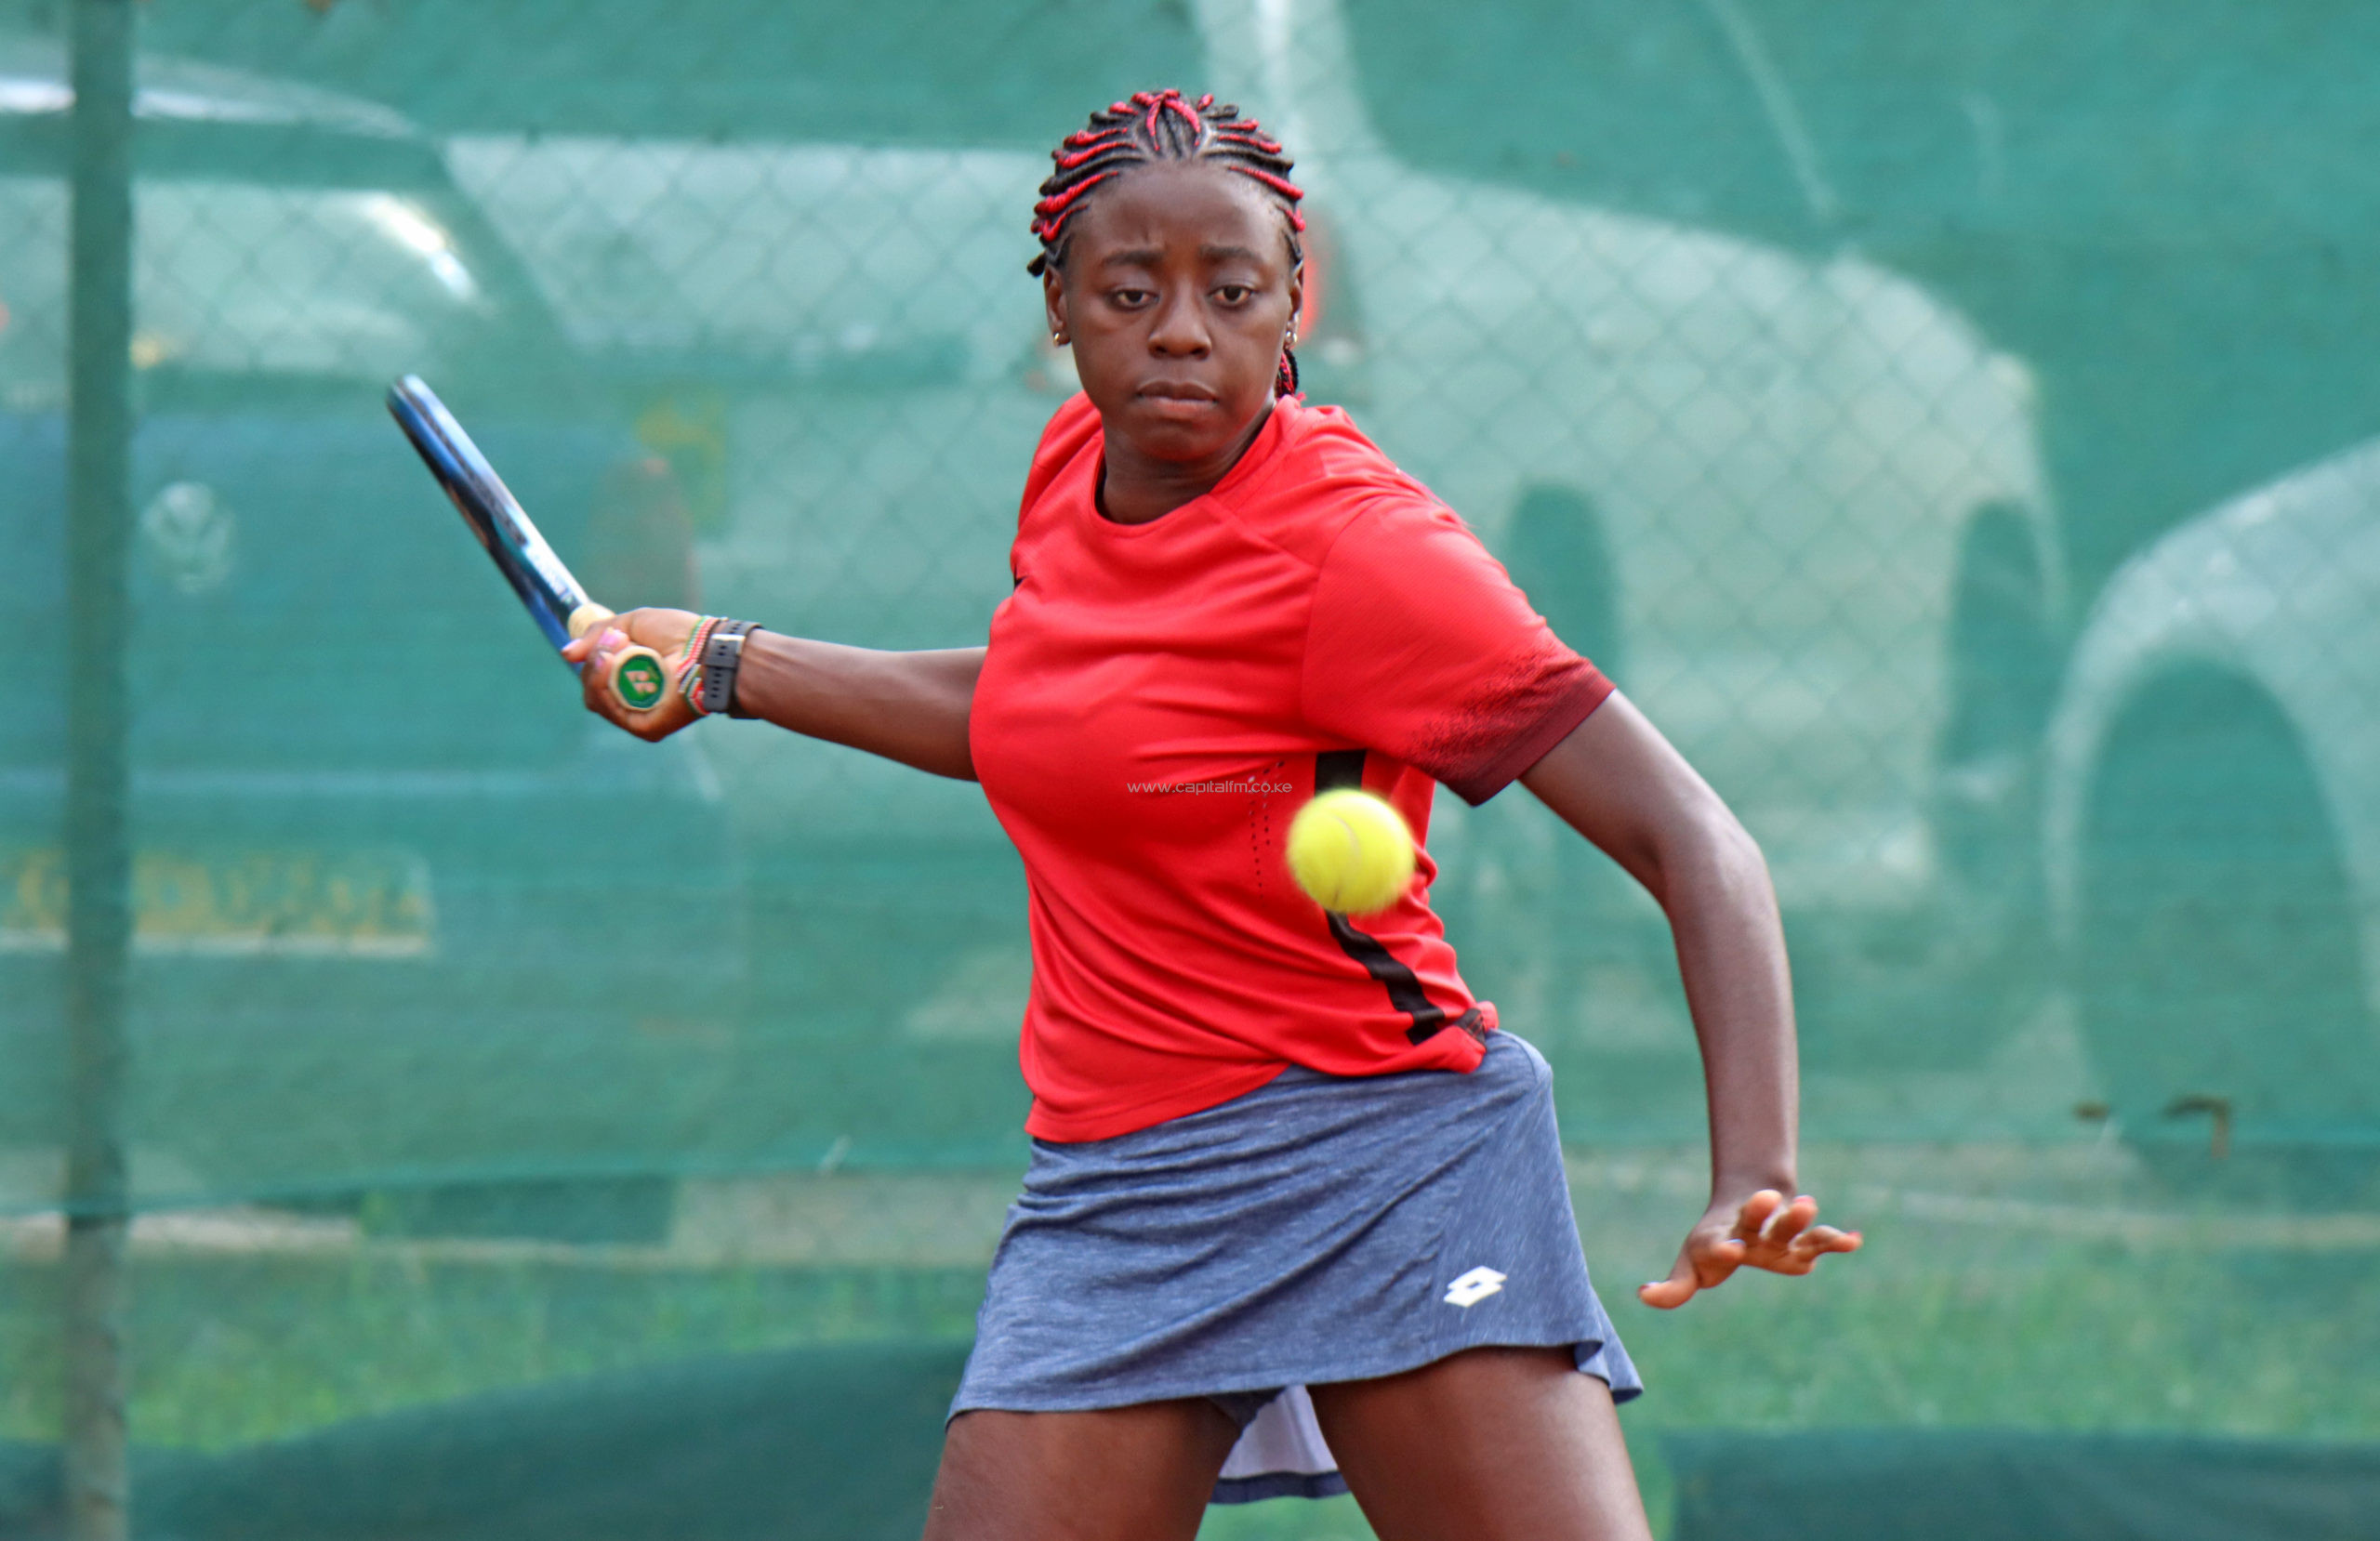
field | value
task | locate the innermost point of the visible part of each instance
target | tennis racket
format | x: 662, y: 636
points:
x: 555, y: 601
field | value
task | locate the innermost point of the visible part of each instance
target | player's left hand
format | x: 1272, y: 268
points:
x: 1763, y: 1231
x: 665, y: 631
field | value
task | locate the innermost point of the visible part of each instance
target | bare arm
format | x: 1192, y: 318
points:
x: 908, y: 707
x: 1618, y: 782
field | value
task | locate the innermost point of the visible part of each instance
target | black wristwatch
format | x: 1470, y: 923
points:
x: 723, y: 656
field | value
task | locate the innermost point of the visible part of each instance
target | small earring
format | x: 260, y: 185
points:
x: 1059, y: 338
x: 1292, y: 340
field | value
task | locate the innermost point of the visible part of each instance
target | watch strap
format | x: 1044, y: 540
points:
x: 722, y: 658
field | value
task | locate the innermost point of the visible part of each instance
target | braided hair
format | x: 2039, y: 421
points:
x: 1164, y: 125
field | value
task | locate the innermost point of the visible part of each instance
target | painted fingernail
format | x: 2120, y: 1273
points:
x: 614, y: 637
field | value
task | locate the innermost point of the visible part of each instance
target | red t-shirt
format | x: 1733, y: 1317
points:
x: 1159, y: 699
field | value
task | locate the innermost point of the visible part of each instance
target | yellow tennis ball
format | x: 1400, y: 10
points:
x: 1350, y: 851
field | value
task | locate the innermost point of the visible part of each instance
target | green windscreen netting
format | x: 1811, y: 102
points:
x: 1954, y: 424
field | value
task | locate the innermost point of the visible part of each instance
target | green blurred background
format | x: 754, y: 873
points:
x: 1953, y: 424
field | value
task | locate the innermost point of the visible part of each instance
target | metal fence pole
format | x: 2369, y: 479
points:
x: 99, y: 851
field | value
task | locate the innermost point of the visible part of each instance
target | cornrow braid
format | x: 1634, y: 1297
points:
x: 1163, y: 125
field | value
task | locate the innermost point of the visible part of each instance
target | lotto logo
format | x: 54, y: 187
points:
x: 1473, y: 1287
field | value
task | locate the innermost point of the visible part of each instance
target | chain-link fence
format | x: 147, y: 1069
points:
x: 1953, y: 423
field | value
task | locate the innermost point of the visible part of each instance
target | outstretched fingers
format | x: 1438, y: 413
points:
x: 1766, y: 1232
x: 1786, y: 1238
x: 1796, y: 1217
x: 1818, y: 1241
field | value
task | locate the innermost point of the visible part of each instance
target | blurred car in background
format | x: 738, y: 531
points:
x: 367, y: 807
x: 2213, y: 804
x: 1792, y: 501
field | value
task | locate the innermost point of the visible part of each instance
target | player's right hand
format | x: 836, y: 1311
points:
x: 665, y: 631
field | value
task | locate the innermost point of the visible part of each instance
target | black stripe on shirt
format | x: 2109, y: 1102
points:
x: 1336, y: 770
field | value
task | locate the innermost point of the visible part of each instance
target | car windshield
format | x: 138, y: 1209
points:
x: 241, y: 278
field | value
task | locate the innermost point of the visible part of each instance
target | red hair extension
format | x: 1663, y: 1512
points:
x: 1137, y: 131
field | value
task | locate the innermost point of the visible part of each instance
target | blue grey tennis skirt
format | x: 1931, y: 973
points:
x: 1318, y: 1229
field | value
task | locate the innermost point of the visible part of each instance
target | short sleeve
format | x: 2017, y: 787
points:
x: 1420, y: 646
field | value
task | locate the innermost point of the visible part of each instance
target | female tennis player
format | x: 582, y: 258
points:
x: 1296, y: 1214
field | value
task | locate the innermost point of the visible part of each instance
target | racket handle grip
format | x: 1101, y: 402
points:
x: 640, y: 680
